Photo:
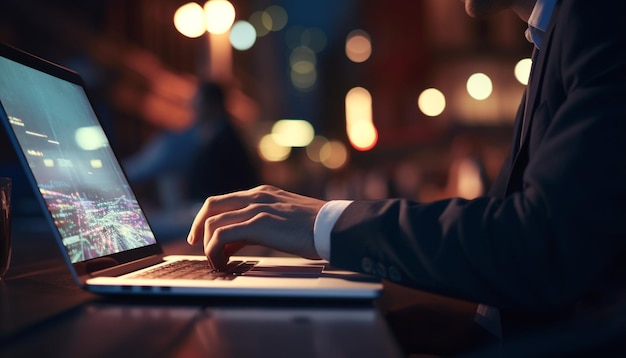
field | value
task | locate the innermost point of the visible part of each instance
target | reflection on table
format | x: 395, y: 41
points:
x: 44, y: 313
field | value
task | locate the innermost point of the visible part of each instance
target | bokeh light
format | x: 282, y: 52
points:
x: 262, y: 23
x: 313, y: 150
x: 522, y: 70
x: 469, y: 185
x: 302, y: 56
x: 359, y: 119
x: 271, y: 151
x: 358, y: 105
x: 303, y: 67
x: 313, y: 38
x: 278, y: 17
x: 358, y: 46
x: 363, y: 135
x: 292, y: 132
x: 431, y: 102
x: 219, y: 16
x: 189, y: 20
x: 334, y: 155
x: 90, y: 138
x: 303, y: 81
x: 479, y: 86
x: 242, y: 35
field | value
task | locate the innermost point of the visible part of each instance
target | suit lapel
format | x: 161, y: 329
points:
x: 531, y: 98
x: 534, y: 89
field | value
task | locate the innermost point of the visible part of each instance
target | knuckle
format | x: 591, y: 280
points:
x: 264, y: 196
x: 214, y: 242
x: 261, y: 211
x: 214, y: 225
x: 219, y: 236
x: 265, y: 187
x: 208, y: 202
x: 257, y: 197
x: 255, y: 208
x: 208, y: 224
x: 262, y: 216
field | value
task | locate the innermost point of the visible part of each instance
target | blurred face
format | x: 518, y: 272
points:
x: 481, y: 8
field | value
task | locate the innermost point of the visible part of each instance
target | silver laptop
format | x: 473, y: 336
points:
x: 99, y: 225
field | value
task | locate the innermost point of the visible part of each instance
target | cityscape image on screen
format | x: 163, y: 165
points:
x: 76, y: 172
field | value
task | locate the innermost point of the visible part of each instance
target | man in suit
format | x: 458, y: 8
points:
x: 546, y: 243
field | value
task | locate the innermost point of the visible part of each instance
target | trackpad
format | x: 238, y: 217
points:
x: 309, y: 271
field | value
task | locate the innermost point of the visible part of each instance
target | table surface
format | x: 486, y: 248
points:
x: 43, y: 312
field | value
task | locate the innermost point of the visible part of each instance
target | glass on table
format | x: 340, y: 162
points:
x: 5, y: 225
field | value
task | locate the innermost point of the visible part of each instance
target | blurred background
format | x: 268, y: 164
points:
x: 358, y: 99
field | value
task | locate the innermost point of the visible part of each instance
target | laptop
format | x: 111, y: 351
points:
x: 100, y: 227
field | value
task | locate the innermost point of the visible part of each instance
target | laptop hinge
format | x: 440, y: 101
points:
x: 128, y: 267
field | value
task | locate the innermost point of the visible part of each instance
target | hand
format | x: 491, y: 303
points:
x: 264, y: 215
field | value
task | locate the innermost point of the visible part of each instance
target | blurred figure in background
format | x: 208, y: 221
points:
x: 208, y: 158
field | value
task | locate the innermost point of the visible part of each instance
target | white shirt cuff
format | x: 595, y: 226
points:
x: 324, y: 222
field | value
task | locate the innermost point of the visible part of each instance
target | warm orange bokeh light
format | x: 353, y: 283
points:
x: 189, y: 20
x: 334, y: 155
x: 359, y: 121
x: 219, y: 16
x: 358, y: 46
x: 431, y: 102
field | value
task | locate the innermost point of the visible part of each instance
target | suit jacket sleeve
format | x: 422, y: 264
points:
x: 557, y: 233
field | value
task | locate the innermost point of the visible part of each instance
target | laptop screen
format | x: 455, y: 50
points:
x: 76, y: 172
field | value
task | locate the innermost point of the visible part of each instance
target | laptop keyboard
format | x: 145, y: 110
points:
x: 196, y: 270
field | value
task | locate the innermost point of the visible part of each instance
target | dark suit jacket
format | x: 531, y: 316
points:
x: 552, y: 233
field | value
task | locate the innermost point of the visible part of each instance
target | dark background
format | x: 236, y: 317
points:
x: 136, y: 65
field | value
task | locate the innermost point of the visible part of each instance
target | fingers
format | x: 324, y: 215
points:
x: 197, y: 227
x: 264, y: 215
x: 228, y: 202
x: 212, y: 206
x: 232, y: 233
